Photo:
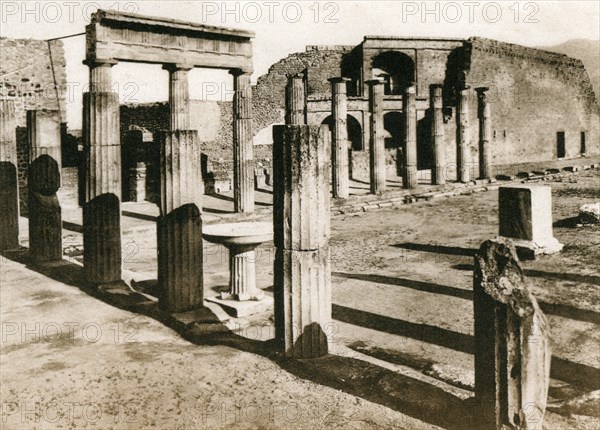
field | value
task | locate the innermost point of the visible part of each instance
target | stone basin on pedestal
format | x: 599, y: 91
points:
x: 241, y: 239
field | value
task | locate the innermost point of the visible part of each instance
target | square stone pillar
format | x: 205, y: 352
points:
x: 301, y: 235
x: 376, y: 143
x: 243, y: 151
x: 438, y: 173
x: 409, y: 106
x: 43, y: 134
x: 512, y: 344
x: 179, y: 227
x: 485, y: 148
x: 9, y: 182
x: 102, y: 177
x: 463, y: 156
x: 525, y: 213
x: 43, y: 180
x: 339, y: 149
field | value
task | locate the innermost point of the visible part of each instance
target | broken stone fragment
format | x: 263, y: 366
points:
x: 590, y: 213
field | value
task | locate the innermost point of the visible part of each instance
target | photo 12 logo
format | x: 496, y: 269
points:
x: 269, y: 12
x: 469, y: 12
x: 30, y: 12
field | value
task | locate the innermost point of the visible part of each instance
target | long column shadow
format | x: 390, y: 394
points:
x: 404, y: 394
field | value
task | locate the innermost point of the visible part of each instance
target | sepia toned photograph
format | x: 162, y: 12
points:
x: 300, y: 215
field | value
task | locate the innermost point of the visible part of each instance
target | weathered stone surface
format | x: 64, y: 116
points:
x: 243, y: 151
x: 463, y: 132
x: 180, y: 270
x: 590, y: 213
x: 179, y: 96
x: 302, y: 269
x: 409, y: 170
x: 438, y: 176
x: 525, y: 215
x: 512, y: 343
x: 102, y: 239
x: 485, y: 147
x: 9, y: 185
x: 295, y: 100
x: 43, y: 134
x: 340, y: 177
x: 376, y: 143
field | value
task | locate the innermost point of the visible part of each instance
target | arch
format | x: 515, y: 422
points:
x: 396, y: 68
x: 354, y: 131
x: 393, y: 125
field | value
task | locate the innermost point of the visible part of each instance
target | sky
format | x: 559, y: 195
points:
x: 283, y: 27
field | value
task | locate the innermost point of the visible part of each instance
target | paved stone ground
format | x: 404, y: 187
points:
x: 402, y: 332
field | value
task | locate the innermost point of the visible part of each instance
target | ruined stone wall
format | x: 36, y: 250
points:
x: 533, y: 95
x: 33, y: 73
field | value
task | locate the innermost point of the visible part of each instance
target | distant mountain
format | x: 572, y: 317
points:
x: 588, y: 51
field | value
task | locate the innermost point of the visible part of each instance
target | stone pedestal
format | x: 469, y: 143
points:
x: 463, y: 149
x: 295, y: 100
x: 485, y: 147
x: 102, y: 177
x: 137, y: 182
x: 243, y: 151
x: 179, y: 226
x: 43, y: 134
x: 339, y: 151
x: 376, y: 143
x: 410, y: 172
x: 438, y: 173
x: 301, y: 235
x: 9, y: 184
x: 45, y: 222
x: 512, y: 344
x: 525, y: 213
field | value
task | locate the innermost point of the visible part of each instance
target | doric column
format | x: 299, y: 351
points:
x: 9, y: 183
x: 376, y: 143
x: 179, y: 227
x: 512, y: 343
x: 485, y: 149
x: 243, y: 152
x: 43, y: 134
x: 438, y: 176
x: 179, y: 98
x: 295, y: 100
x: 102, y: 177
x: 463, y: 135
x: 339, y: 149
x: 301, y: 235
x: 409, y: 172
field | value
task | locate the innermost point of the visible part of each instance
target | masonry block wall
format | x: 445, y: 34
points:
x: 33, y: 73
x: 534, y: 95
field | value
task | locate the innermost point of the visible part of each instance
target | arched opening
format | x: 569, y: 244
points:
x: 396, y: 69
x: 354, y: 131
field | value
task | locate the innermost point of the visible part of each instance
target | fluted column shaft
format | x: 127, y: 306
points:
x: 301, y: 230
x: 339, y: 150
x: 410, y: 173
x: 295, y: 100
x: 179, y: 98
x: 9, y: 183
x: 102, y: 177
x: 376, y: 143
x: 43, y: 134
x: 485, y: 149
x: 438, y: 176
x: 242, y: 272
x: 243, y: 151
x: 463, y: 136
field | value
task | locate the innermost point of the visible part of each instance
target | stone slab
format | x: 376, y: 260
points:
x: 239, y: 309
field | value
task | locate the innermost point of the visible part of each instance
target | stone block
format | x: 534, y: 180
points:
x: 590, y: 213
x: 525, y: 216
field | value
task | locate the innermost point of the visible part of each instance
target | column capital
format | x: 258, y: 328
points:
x: 339, y: 80
x: 411, y: 90
x: 465, y: 88
x: 100, y: 62
x: 481, y: 90
x: 374, y: 82
x: 239, y: 72
x: 176, y: 67
x: 436, y: 86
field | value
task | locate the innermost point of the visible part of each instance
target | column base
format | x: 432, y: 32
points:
x: 531, y: 249
x: 241, y: 308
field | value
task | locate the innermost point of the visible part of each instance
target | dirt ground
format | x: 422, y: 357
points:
x: 402, y: 334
